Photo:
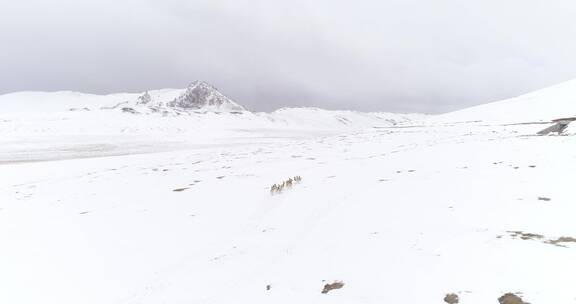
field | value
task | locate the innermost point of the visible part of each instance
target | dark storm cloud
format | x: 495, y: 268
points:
x: 389, y: 55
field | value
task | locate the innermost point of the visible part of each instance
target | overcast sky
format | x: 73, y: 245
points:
x: 386, y: 55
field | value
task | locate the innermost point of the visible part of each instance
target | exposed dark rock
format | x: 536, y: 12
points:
x: 560, y: 240
x: 559, y: 127
x: 180, y: 189
x: 129, y: 110
x: 525, y: 236
x: 452, y: 298
x: 511, y: 298
x: 333, y: 286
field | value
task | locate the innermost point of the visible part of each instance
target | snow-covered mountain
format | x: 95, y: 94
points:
x: 197, y: 97
x: 75, y: 123
x: 170, y: 111
x: 200, y: 97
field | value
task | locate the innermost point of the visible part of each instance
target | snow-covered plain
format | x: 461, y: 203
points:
x: 104, y: 206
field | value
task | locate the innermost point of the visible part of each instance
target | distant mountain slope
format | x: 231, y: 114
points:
x: 200, y: 106
x: 543, y: 105
x: 42, y: 102
x: 198, y: 96
x: 319, y: 118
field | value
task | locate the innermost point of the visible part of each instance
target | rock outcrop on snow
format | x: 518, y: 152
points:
x: 201, y: 95
x: 144, y: 98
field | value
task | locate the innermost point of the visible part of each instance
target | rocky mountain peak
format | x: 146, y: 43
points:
x: 201, y: 95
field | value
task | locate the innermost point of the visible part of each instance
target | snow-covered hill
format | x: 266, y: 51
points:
x: 49, y: 102
x: 544, y: 105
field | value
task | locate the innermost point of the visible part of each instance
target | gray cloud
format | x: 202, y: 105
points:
x: 387, y: 55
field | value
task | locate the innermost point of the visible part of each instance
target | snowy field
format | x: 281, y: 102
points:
x: 183, y: 213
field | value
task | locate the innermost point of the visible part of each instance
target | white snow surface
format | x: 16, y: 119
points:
x: 105, y: 206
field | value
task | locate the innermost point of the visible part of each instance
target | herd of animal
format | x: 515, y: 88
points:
x: 287, y: 184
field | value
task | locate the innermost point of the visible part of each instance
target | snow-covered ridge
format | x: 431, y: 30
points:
x: 198, y: 96
x: 199, y: 106
x: 202, y: 98
x: 61, y: 101
x: 60, y: 125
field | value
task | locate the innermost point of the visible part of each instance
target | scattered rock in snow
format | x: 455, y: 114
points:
x: 180, y: 189
x: 129, y: 110
x: 511, y: 298
x: 333, y: 286
x: 79, y: 109
x: 452, y: 298
x: 560, y: 240
x: 525, y: 236
x: 538, y: 237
